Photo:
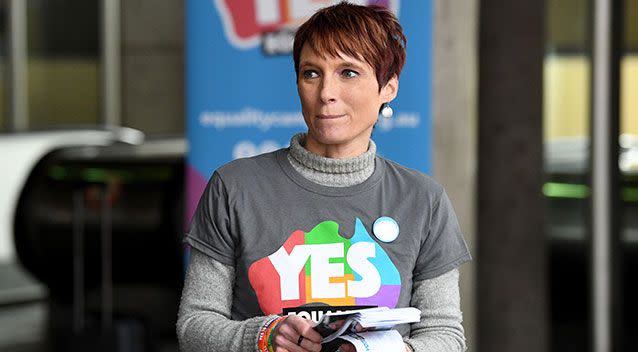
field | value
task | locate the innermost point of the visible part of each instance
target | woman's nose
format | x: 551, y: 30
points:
x: 328, y: 91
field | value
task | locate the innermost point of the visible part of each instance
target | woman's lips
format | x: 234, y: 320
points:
x: 329, y: 117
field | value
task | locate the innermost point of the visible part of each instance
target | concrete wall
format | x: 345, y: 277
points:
x: 454, y: 129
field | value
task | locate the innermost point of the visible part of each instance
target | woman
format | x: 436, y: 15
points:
x: 325, y: 224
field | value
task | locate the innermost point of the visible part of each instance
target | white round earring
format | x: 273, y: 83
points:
x: 386, y: 111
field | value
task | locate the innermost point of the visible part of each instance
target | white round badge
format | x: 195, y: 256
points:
x: 385, y: 229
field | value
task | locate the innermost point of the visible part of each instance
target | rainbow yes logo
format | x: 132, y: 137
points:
x: 245, y: 20
x: 322, y: 267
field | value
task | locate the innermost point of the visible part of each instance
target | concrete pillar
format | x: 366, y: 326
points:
x: 454, y: 129
x: 153, y: 65
x: 512, y: 276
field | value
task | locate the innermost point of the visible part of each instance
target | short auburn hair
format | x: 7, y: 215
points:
x: 370, y: 33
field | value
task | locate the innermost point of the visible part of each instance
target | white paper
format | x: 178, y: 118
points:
x: 389, y: 317
x: 376, y: 341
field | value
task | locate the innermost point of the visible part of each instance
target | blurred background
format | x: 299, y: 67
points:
x: 92, y: 153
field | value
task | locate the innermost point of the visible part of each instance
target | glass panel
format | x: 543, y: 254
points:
x: 63, y: 59
x: 4, y: 23
x: 629, y: 72
x: 629, y: 170
x: 567, y: 86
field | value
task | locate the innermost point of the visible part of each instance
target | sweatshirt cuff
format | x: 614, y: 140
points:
x: 251, y: 334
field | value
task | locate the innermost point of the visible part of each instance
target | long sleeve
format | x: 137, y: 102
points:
x: 440, y: 328
x: 204, y: 322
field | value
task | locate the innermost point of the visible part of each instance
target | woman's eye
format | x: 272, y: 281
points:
x: 349, y: 73
x: 309, y: 74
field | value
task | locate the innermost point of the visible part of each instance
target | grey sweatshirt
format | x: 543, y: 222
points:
x: 204, y: 322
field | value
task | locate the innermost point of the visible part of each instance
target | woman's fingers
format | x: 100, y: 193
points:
x: 337, y: 324
x: 310, y: 345
x: 305, y: 328
x: 283, y: 343
x: 288, y: 332
x: 295, y: 326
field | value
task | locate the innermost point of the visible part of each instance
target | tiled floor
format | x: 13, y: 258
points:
x: 24, y: 314
x: 16, y: 285
x: 22, y: 327
x: 22, y: 310
x: 24, y: 348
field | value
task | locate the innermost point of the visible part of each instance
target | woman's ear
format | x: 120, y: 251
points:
x: 390, y: 90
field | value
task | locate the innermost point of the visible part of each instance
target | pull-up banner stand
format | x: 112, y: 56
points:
x: 241, y: 95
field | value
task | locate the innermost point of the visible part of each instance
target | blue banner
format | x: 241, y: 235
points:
x: 241, y: 96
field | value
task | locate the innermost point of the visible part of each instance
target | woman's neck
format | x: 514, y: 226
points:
x: 329, y: 171
x: 351, y: 149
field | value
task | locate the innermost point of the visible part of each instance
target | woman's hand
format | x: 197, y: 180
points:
x: 288, y: 334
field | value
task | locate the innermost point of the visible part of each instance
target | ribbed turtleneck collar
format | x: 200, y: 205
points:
x: 328, y: 171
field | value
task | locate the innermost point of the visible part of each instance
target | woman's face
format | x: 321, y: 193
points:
x: 340, y: 101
